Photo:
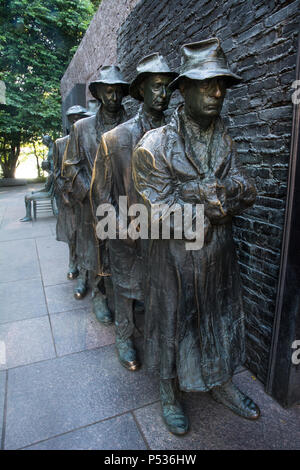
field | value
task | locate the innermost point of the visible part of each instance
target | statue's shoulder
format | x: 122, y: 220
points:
x: 121, y: 135
x: 86, y: 123
x: 156, y: 140
x: 61, y: 141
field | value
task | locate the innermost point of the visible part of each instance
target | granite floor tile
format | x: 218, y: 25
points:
x: 18, y: 260
x: 57, y: 396
x: 2, y: 398
x: 213, y: 427
x: 54, y: 260
x: 119, y: 433
x: 79, y: 330
x: 27, y: 341
x: 21, y: 300
x: 61, y: 298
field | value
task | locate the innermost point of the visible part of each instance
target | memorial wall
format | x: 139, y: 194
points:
x: 260, y: 40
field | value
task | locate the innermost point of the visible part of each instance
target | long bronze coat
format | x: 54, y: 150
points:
x: 194, y: 314
x: 85, y: 137
x: 65, y: 225
x: 112, y: 177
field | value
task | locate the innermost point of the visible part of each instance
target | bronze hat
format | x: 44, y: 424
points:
x: 77, y: 109
x: 109, y: 75
x: 202, y: 60
x: 153, y: 63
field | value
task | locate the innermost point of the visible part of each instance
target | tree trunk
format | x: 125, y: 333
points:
x: 37, y: 161
x: 9, y: 153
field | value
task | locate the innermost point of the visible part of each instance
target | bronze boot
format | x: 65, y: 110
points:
x: 81, y: 287
x: 127, y: 354
x: 230, y: 396
x: 172, y: 412
x: 100, y: 308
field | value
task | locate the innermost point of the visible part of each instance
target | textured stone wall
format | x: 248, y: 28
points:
x: 99, y: 45
x: 260, y: 39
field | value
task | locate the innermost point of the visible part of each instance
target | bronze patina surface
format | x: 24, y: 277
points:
x: 85, y: 135
x: 65, y: 226
x: 112, y: 179
x: 194, y: 325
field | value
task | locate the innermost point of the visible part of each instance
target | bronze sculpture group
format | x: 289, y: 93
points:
x: 194, y: 320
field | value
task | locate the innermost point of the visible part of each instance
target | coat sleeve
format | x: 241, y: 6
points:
x: 74, y: 169
x: 235, y: 190
x: 153, y: 182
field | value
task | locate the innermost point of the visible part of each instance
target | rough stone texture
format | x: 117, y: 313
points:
x: 99, y: 45
x: 260, y: 39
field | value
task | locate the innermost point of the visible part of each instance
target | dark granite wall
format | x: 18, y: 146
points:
x: 260, y: 39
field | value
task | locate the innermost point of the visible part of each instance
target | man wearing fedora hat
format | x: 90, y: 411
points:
x: 109, y: 89
x: 112, y: 179
x: 194, y: 320
x: 65, y: 225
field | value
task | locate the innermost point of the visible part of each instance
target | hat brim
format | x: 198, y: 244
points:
x: 231, y: 78
x: 135, y: 84
x: 92, y: 86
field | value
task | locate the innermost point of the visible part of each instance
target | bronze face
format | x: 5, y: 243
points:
x: 110, y: 95
x: 156, y: 93
x: 203, y: 98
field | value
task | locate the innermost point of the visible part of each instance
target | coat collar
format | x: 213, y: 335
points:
x: 219, y: 146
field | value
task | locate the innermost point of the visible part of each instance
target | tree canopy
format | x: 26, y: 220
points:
x: 37, y: 41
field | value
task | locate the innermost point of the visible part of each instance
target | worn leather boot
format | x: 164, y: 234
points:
x: 81, y: 287
x: 172, y: 412
x: 230, y: 396
x: 127, y: 354
x: 100, y: 309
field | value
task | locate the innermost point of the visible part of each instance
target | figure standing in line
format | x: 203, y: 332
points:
x: 65, y: 225
x: 85, y: 135
x: 112, y: 179
x: 48, y: 190
x: 194, y: 320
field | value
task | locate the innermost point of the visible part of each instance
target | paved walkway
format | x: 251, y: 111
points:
x: 61, y: 386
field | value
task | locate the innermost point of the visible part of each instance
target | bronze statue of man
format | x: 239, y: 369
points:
x: 85, y: 135
x: 194, y: 320
x: 112, y: 179
x: 65, y: 225
x: 48, y: 190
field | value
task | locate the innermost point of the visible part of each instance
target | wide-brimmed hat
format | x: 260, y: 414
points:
x: 109, y: 75
x: 153, y: 63
x: 77, y: 109
x: 202, y: 60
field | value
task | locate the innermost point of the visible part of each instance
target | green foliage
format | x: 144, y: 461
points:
x: 37, y: 41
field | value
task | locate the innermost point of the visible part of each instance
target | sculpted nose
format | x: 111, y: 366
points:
x: 163, y: 92
x: 218, y: 91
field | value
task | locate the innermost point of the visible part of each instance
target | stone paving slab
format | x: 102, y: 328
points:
x: 119, y: 433
x: 61, y: 298
x: 79, y: 330
x: 214, y: 427
x: 27, y: 341
x: 22, y: 300
x: 18, y: 259
x: 56, y: 396
x: 54, y: 259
